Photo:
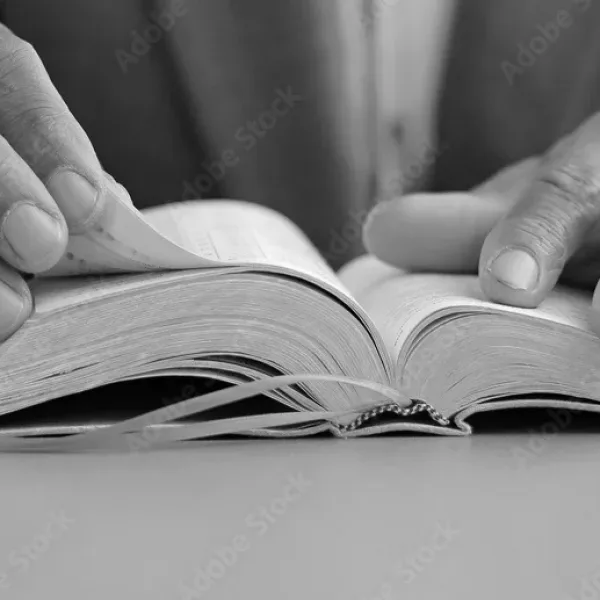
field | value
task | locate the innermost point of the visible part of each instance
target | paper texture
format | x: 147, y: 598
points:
x: 397, y: 302
x: 191, y: 235
x: 123, y: 241
x: 233, y: 232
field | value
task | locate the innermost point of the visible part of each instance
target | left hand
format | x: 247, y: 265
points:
x: 532, y: 223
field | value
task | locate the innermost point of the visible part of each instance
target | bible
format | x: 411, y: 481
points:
x: 232, y: 299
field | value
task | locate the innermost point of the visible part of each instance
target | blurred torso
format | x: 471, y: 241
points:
x: 261, y: 85
x: 520, y: 75
x: 162, y: 121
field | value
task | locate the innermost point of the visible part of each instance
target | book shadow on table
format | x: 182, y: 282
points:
x: 119, y: 401
x: 542, y: 420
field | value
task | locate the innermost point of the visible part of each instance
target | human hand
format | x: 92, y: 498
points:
x: 51, y: 182
x: 532, y: 223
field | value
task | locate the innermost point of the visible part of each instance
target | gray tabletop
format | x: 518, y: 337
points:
x: 492, y: 516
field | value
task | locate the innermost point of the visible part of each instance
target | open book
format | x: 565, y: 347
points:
x: 234, y: 293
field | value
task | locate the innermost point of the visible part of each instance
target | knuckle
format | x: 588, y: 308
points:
x: 40, y: 111
x: 577, y: 185
x: 39, y: 123
x: 38, y: 131
x: 8, y: 161
x: 545, y: 233
x: 28, y: 99
x: 16, y: 54
x: 565, y: 206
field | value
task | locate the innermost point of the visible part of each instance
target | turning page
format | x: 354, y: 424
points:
x: 203, y: 234
x: 190, y: 235
x: 229, y: 232
x: 121, y: 240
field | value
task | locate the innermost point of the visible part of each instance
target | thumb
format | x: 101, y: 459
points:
x: 525, y: 253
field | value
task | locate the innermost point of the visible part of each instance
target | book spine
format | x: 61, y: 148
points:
x: 417, y: 407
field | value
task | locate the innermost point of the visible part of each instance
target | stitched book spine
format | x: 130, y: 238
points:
x: 417, y: 407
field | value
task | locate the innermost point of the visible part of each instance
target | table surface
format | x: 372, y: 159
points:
x: 490, y: 516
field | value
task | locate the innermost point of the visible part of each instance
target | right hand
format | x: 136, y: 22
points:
x: 51, y: 182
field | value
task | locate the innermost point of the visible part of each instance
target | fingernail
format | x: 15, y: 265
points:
x: 77, y: 198
x: 36, y: 238
x: 516, y: 269
x: 13, y: 308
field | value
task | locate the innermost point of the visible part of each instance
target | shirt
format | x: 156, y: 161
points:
x: 269, y: 100
x: 206, y: 98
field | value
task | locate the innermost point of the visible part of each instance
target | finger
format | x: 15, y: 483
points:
x: 595, y: 314
x: 444, y: 232
x: 33, y: 233
x: 37, y: 123
x: 431, y: 232
x: 525, y: 253
x: 117, y: 188
x: 15, y: 301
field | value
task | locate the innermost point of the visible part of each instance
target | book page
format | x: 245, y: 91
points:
x: 121, y: 240
x: 398, y: 302
x: 191, y: 235
x: 239, y: 233
x: 229, y: 232
x: 211, y: 235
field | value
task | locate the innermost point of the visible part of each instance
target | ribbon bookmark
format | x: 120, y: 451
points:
x: 141, y: 431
